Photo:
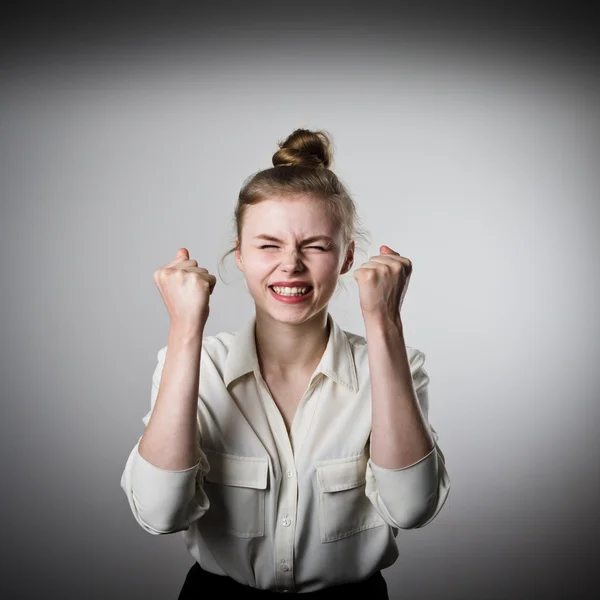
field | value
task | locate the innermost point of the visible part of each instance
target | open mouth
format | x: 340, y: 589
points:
x: 305, y: 292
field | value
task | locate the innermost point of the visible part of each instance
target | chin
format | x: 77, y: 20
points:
x: 287, y: 314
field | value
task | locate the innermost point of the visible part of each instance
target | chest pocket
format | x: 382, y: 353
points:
x: 236, y: 487
x: 344, y: 508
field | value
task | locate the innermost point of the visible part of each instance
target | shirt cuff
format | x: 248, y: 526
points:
x: 160, y: 494
x: 406, y: 495
x: 377, y: 467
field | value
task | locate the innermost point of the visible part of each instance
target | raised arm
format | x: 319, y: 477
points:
x: 163, y: 475
x: 407, y: 479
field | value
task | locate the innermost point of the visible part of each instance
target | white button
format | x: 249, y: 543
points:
x: 287, y: 522
x: 290, y: 474
x: 284, y: 568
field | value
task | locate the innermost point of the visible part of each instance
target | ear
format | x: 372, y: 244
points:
x: 238, y: 256
x: 349, y: 258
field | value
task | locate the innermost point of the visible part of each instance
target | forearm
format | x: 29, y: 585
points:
x: 400, y: 434
x: 170, y: 440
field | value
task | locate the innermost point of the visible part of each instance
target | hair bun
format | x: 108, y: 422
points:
x: 305, y: 148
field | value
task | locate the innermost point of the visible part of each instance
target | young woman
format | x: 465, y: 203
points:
x: 291, y: 452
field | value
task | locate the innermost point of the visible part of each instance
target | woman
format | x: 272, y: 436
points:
x: 291, y: 452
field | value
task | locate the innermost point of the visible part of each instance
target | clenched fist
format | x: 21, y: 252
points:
x: 185, y: 289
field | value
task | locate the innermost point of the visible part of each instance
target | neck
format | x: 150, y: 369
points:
x: 286, y: 350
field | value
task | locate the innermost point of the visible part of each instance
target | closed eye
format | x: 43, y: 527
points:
x: 271, y: 246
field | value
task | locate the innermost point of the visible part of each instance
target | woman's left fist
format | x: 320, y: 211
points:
x: 382, y: 284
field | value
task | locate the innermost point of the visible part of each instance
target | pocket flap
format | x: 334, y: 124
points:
x: 341, y: 474
x: 240, y: 471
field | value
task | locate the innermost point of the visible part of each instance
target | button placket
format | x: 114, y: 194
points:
x: 288, y: 490
x: 285, y: 531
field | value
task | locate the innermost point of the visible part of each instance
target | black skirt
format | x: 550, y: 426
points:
x: 200, y: 584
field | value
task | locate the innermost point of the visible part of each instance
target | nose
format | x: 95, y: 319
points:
x: 291, y: 262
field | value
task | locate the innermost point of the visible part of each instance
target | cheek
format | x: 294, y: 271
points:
x: 330, y: 269
x: 255, y: 275
x: 258, y: 262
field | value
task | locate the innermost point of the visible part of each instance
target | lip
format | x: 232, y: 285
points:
x: 291, y: 299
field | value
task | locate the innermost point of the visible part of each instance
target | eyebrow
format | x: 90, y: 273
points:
x: 271, y: 238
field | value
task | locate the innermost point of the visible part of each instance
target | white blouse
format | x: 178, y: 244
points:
x: 289, y: 513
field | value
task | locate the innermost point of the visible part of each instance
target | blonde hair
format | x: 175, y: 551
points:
x: 302, y: 166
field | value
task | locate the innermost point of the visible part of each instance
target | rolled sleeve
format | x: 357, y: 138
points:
x: 163, y: 501
x: 410, y: 497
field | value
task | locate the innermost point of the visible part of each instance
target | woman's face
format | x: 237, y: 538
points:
x: 287, y: 239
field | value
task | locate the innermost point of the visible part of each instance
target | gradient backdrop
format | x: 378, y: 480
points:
x: 469, y: 138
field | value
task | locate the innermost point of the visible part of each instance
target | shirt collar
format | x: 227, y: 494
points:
x: 337, y: 361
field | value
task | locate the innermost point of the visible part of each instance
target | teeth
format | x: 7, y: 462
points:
x: 287, y: 291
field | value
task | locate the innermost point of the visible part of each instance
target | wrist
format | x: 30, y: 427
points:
x: 185, y: 336
x: 383, y: 322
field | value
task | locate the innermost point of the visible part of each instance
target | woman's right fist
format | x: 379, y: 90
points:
x: 185, y: 289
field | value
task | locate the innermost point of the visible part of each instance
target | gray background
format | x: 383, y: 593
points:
x: 470, y: 144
